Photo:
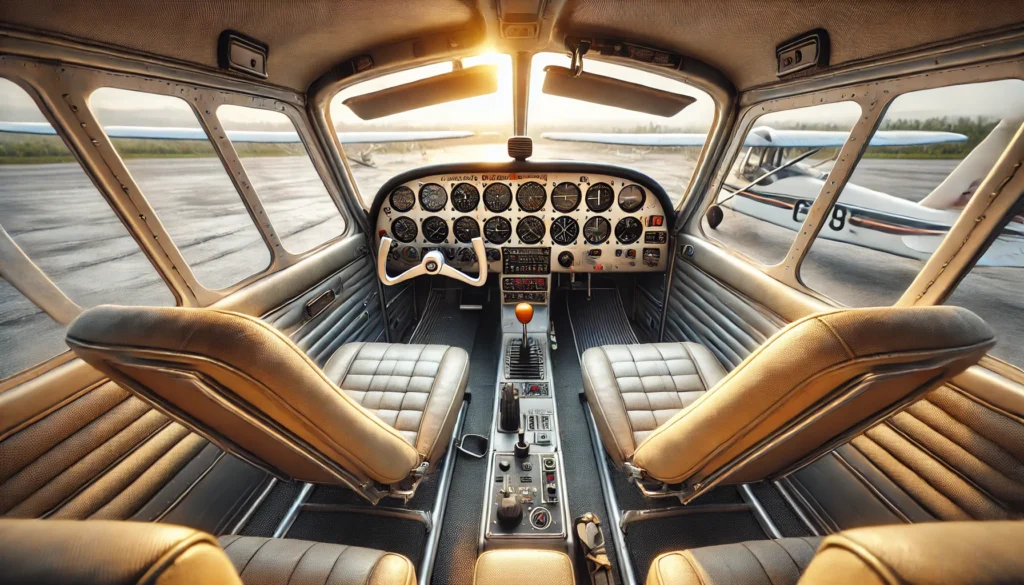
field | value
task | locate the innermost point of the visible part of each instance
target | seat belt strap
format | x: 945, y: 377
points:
x: 591, y: 547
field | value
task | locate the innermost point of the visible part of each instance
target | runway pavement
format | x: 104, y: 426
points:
x: 55, y: 214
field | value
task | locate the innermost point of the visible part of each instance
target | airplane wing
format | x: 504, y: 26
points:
x: 667, y: 139
x: 763, y: 136
x: 165, y: 133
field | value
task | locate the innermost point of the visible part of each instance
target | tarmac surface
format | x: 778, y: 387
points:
x: 57, y: 217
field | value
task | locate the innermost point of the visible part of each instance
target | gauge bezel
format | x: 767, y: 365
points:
x: 608, y: 233
x: 415, y: 229
x: 542, y: 230
x: 643, y: 198
x: 447, y: 230
x: 508, y: 202
x: 431, y: 209
x: 412, y: 198
x: 575, y: 205
x: 564, y: 218
x: 462, y: 220
x: 500, y: 219
x: 639, y: 234
x: 543, y: 201
x: 476, y: 197
x: 611, y: 200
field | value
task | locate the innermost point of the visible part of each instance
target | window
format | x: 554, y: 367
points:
x: 488, y: 118
x: 671, y: 166
x: 931, y: 150
x: 993, y: 291
x: 185, y: 183
x: 292, y: 192
x: 789, y: 154
x: 52, y: 210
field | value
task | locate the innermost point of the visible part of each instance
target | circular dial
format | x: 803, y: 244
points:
x: 631, y: 198
x: 465, y: 197
x: 565, y: 197
x: 600, y: 197
x: 564, y: 230
x: 498, y: 230
x: 435, y: 229
x: 433, y: 197
x: 531, y: 196
x: 466, y: 228
x: 404, y: 229
x: 530, y: 229
x: 628, y: 230
x: 402, y: 199
x: 497, y: 197
x: 596, y: 230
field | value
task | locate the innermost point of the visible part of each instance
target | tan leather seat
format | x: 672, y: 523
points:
x: 99, y: 552
x: 937, y: 553
x: 273, y: 561
x: 806, y: 390
x: 374, y: 419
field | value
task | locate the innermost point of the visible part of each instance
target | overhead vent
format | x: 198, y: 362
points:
x: 807, y: 51
x: 520, y: 19
x: 238, y: 52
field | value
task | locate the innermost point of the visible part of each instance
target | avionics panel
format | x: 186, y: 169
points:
x: 526, y: 260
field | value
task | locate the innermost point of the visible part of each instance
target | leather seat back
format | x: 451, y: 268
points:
x: 809, y: 388
x: 247, y: 388
x: 100, y: 552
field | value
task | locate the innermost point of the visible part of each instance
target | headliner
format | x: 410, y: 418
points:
x: 307, y: 38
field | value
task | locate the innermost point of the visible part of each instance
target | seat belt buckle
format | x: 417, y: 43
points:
x: 420, y: 471
x: 633, y: 473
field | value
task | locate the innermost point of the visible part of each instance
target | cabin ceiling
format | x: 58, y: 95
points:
x: 307, y: 38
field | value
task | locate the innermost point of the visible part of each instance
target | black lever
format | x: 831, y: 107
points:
x: 509, y: 408
x: 521, y: 449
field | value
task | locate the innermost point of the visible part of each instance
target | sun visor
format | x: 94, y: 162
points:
x: 447, y: 87
x: 616, y: 93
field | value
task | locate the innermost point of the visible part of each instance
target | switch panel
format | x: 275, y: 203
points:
x: 535, y: 482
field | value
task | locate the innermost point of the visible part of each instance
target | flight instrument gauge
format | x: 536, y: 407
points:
x: 465, y: 197
x: 498, y: 230
x: 433, y: 197
x: 600, y: 197
x: 497, y: 197
x: 564, y: 230
x: 530, y: 229
x: 628, y: 230
x: 402, y: 199
x: 531, y: 196
x: 631, y: 198
x: 465, y: 228
x: 565, y: 197
x: 596, y: 230
x: 435, y: 229
x: 404, y: 229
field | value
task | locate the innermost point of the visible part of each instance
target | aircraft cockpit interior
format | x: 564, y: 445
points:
x: 532, y: 292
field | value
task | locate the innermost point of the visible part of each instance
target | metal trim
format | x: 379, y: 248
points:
x: 293, y: 511
x: 634, y: 516
x: 436, y: 519
x: 759, y: 512
x: 796, y: 506
x: 252, y: 509
x: 384, y: 511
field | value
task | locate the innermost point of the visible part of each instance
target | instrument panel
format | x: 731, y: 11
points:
x: 585, y: 218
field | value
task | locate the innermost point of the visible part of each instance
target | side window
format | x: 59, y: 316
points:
x: 292, y: 192
x: 931, y: 151
x: 185, y: 182
x: 53, y: 212
x: 783, y: 164
x: 993, y: 291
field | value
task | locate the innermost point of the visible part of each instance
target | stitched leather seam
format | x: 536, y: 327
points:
x: 914, y: 496
x: 849, y: 352
x: 600, y: 408
x: 865, y: 555
x: 729, y: 340
x: 241, y: 572
x: 334, y: 566
x: 295, y: 567
x: 689, y: 561
x: 369, y: 576
x: 426, y: 406
x: 796, y: 565
x: 871, y: 487
x: 761, y: 310
x: 759, y: 563
x: 725, y: 321
x: 622, y: 401
x: 170, y: 557
x: 696, y: 366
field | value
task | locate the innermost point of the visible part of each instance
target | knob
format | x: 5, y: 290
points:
x: 510, y: 513
x: 431, y: 266
x: 493, y: 255
x: 521, y: 449
x: 565, y: 259
x: 524, y: 312
x: 504, y: 465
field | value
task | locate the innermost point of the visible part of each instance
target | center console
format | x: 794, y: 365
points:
x: 525, y: 498
x: 525, y: 275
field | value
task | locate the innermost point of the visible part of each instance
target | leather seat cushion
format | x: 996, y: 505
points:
x: 758, y: 562
x: 278, y: 561
x: 634, y: 389
x: 417, y: 389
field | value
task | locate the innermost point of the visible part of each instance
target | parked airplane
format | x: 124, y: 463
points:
x: 767, y: 184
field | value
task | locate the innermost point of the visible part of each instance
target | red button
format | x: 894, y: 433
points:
x: 551, y: 478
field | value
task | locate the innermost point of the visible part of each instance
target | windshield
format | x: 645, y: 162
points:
x: 671, y: 166
x: 487, y: 117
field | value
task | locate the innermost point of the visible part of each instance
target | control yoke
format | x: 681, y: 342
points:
x: 432, y: 263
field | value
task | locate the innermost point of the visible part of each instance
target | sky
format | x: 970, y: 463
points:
x: 494, y: 111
